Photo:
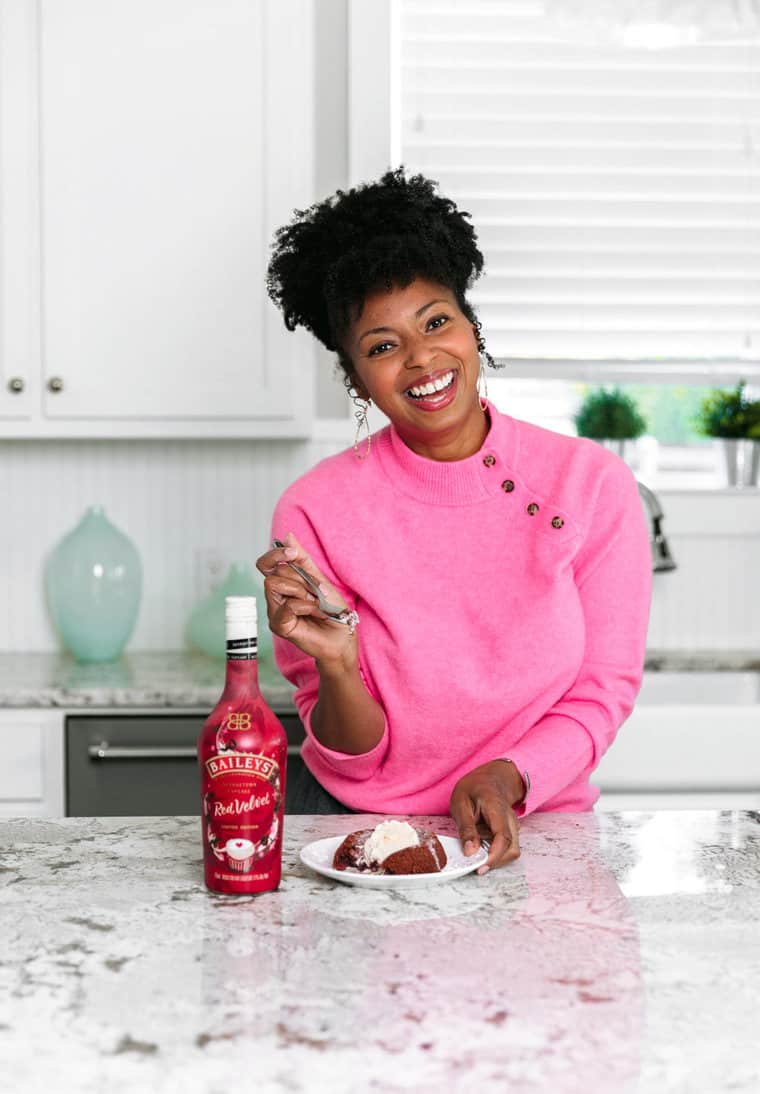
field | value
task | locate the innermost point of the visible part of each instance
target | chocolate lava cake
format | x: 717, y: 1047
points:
x: 428, y: 857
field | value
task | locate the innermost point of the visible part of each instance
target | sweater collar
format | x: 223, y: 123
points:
x: 456, y: 482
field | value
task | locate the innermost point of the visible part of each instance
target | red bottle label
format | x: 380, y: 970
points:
x: 242, y: 776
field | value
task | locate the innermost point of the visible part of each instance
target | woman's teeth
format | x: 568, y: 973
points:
x: 431, y: 389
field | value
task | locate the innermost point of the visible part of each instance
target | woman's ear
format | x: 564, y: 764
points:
x: 361, y: 390
x: 352, y: 381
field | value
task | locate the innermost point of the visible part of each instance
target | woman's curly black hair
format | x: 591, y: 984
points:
x: 380, y: 234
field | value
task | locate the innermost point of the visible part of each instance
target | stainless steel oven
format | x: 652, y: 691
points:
x: 132, y: 765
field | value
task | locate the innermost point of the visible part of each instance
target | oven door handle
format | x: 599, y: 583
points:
x: 106, y: 751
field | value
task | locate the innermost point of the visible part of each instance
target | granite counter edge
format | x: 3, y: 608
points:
x: 181, y: 696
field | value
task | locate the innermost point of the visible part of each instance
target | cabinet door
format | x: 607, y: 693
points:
x: 32, y: 771
x: 19, y: 218
x: 175, y: 136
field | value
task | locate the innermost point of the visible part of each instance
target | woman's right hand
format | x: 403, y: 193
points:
x: 293, y: 609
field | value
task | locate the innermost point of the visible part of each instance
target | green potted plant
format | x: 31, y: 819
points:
x: 734, y: 421
x: 609, y: 416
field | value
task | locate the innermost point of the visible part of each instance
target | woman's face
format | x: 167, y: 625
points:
x: 415, y: 355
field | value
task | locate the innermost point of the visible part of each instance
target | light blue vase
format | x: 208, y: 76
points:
x: 206, y: 628
x: 94, y: 580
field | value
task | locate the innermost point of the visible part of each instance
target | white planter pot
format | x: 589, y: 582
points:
x: 742, y: 460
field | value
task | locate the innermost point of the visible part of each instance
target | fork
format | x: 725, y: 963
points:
x: 338, y: 615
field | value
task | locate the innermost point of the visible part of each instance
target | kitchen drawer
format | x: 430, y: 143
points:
x: 21, y: 770
x: 31, y: 774
x: 142, y: 765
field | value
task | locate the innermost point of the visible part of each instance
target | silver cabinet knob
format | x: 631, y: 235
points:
x: 55, y: 384
x: 15, y: 384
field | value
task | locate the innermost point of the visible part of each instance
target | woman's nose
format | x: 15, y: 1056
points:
x: 419, y: 351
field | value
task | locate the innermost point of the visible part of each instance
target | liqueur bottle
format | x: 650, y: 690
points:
x: 242, y: 751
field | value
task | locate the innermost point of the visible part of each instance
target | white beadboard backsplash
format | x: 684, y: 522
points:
x: 179, y: 501
x: 185, y: 503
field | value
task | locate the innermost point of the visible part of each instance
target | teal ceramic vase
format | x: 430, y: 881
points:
x: 205, y: 628
x: 94, y: 580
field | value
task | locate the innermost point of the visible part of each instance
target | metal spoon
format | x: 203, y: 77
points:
x: 338, y: 615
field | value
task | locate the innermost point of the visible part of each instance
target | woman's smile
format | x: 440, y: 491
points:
x: 433, y: 391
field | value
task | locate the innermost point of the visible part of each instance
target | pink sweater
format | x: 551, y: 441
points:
x: 503, y: 602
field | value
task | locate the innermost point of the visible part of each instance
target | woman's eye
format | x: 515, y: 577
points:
x: 379, y: 348
x: 437, y: 321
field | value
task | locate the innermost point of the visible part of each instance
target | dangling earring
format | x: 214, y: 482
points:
x: 483, y: 383
x: 360, y: 414
x: 361, y: 423
x: 486, y: 361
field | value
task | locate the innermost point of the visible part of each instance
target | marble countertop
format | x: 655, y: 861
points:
x: 702, y: 661
x: 174, y: 679
x: 179, y: 679
x: 618, y: 954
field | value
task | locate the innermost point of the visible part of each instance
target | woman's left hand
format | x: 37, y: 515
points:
x: 481, y: 805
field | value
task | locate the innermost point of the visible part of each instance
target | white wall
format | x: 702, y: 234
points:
x: 183, y: 503
x: 711, y: 600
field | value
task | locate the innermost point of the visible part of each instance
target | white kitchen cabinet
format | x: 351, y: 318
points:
x: 149, y: 150
x: 675, y: 754
x: 32, y: 779
x: 20, y: 367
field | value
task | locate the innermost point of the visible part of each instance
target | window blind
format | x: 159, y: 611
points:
x: 615, y: 191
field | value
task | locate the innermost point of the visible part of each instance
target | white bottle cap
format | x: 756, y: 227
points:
x: 240, y: 609
x: 241, y: 627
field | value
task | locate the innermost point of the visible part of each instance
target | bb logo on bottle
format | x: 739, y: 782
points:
x: 239, y: 719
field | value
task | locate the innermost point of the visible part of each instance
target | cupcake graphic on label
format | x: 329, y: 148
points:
x: 239, y: 854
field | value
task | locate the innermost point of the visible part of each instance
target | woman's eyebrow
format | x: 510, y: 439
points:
x: 417, y: 314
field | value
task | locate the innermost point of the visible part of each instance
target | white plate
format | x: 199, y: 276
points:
x: 319, y: 856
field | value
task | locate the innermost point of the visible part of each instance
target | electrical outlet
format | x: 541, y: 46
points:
x: 210, y: 567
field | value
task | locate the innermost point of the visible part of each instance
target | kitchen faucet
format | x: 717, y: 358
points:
x: 662, y: 559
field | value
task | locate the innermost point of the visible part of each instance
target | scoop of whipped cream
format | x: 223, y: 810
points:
x: 389, y: 836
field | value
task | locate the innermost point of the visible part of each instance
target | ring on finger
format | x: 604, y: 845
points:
x: 352, y: 621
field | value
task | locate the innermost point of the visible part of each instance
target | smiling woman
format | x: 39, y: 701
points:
x: 501, y: 572
x: 380, y: 275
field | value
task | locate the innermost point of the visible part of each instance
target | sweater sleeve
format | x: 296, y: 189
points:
x: 300, y: 669
x: 613, y: 576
